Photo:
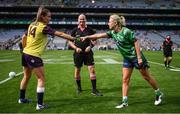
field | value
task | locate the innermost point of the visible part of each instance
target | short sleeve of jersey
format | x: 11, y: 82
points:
x: 130, y: 35
x: 109, y: 33
x: 73, y: 32
x: 48, y: 30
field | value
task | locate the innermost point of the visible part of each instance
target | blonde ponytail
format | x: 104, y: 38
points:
x: 120, y: 20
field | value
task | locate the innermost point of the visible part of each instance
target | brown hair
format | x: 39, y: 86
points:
x: 41, y: 11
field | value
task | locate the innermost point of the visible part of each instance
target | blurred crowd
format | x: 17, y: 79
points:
x: 96, y: 3
x: 149, y: 40
x: 11, y: 43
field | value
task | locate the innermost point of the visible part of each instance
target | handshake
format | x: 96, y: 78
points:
x: 82, y: 39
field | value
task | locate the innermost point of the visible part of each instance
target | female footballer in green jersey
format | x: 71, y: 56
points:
x: 34, y: 43
x: 129, y: 47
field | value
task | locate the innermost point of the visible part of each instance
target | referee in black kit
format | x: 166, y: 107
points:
x: 167, y: 51
x: 83, y: 54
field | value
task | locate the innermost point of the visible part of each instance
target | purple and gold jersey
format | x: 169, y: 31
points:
x: 37, y: 39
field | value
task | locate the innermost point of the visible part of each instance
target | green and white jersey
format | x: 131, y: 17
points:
x: 125, y: 42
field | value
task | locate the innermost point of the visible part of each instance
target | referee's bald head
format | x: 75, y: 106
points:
x: 81, y: 18
x: 168, y: 37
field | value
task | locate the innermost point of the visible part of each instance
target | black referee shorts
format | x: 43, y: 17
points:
x: 83, y: 58
x: 167, y: 53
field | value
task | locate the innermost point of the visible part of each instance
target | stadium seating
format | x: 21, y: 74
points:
x: 149, y: 39
x: 146, y: 17
x: 97, y: 3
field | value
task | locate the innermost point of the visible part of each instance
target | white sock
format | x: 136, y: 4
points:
x: 40, y: 89
x: 125, y: 97
x: 157, y: 90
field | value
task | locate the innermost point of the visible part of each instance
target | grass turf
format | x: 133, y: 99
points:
x: 60, y: 92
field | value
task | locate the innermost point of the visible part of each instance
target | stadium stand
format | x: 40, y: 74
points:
x: 149, y: 40
x: 129, y: 4
x: 152, y: 20
x: 96, y: 3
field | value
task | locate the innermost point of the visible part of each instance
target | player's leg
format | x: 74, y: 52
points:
x: 39, y: 71
x: 23, y: 85
x: 127, y: 71
x: 125, y: 86
x: 92, y: 75
x: 36, y: 64
x: 165, y: 59
x: 146, y: 75
x: 165, y: 62
x: 89, y: 61
x: 78, y: 79
x: 24, y: 82
x: 78, y: 61
x: 169, y: 59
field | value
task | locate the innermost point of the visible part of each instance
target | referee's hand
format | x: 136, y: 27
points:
x: 78, y: 50
x: 88, y: 49
x: 83, y: 38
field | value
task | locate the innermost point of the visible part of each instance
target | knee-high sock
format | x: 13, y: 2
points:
x: 22, y: 93
x: 93, y: 81
x: 165, y: 63
x: 169, y: 62
x: 40, y: 94
x: 78, y: 82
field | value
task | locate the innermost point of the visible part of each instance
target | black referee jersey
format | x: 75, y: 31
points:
x: 76, y: 32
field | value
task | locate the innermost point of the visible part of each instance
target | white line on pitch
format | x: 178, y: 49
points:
x: 174, y: 68
x: 5, y: 80
x: 9, y: 78
x: 111, y: 61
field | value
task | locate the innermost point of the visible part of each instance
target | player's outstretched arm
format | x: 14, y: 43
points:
x: 63, y: 35
x: 95, y: 36
x: 72, y: 44
x: 50, y: 31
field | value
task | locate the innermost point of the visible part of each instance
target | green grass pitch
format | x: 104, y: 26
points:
x: 60, y: 92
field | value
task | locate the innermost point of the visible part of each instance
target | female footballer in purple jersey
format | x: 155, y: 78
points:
x: 128, y: 46
x: 34, y: 43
